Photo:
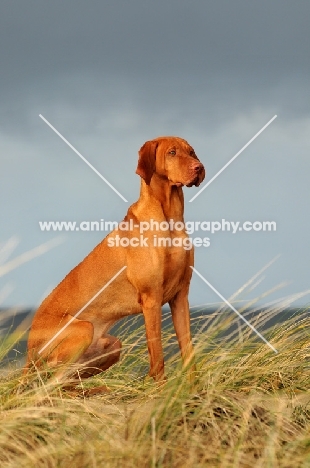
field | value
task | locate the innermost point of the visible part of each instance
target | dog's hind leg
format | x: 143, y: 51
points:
x: 76, y: 353
x: 99, y: 356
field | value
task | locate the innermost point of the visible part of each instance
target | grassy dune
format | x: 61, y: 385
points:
x: 249, y: 406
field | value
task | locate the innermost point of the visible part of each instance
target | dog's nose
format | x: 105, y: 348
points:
x: 197, y: 167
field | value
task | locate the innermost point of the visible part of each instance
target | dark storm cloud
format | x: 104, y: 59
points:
x: 168, y: 37
x: 204, y: 58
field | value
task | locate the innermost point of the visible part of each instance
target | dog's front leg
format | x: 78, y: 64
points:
x: 152, y: 316
x: 181, y: 320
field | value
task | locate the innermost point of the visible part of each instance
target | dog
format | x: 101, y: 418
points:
x: 65, y: 332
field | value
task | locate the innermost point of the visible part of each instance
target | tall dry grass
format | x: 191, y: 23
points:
x: 248, y: 407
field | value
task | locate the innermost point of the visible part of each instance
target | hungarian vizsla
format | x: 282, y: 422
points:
x: 157, y: 272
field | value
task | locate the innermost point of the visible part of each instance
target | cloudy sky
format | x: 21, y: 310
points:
x: 111, y: 75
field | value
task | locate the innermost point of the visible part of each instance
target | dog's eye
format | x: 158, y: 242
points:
x: 192, y: 153
x: 172, y: 152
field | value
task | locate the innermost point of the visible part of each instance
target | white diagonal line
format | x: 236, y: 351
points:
x: 233, y: 158
x: 238, y: 313
x: 82, y: 157
x: 83, y: 308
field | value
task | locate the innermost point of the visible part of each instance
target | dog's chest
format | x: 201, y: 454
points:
x: 177, y: 261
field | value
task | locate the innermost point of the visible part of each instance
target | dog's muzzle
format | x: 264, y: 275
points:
x: 197, y: 174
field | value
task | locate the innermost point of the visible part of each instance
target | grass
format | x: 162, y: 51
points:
x: 249, y: 406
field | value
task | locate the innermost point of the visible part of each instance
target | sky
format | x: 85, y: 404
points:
x: 110, y: 76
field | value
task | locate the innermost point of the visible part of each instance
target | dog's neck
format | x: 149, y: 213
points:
x: 169, y: 196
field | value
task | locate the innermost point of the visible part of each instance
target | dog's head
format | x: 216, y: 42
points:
x: 171, y: 158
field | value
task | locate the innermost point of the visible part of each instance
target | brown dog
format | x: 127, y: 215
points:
x: 65, y: 331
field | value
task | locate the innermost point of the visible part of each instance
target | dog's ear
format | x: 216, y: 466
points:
x: 147, y: 161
